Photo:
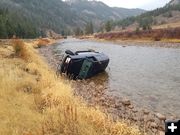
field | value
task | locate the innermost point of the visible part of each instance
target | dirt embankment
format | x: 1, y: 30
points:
x: 118, y: 108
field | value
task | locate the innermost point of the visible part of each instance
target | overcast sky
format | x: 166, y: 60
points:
x: 144, y: 4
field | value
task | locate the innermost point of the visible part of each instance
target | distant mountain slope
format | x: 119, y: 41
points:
x: 169, y: 14
x: 98, y: 11
x: 128, y: 12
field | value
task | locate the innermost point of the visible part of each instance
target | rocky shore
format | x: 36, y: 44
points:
x: 118, y: 108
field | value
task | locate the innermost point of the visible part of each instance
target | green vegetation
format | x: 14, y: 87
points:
x: 108, y: 26
x: 89, y: 29
x: 145, y: 22
x: 29, y: 19
x: 11, y: 24
x: 78, y: 31
x: 125, y: 22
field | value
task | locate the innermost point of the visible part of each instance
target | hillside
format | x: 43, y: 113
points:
x: 158, y: 18
x: 43, y: 15
x: 174, y: 2
x: 97, y: 11
x: 28, y: 19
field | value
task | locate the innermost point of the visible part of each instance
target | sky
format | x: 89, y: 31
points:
x: 144, y: 4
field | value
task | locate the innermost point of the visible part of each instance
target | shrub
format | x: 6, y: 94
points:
x: 42, y: 42
x: 20, y: 49
x: 137, y: 30
x: 157, y: 38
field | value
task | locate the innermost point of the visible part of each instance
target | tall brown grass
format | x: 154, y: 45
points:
x: 42, y: 42
x: 33, y: 101
x: 154, y: 34
x: 20, y: 49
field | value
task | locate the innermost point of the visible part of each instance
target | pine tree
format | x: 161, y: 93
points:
x: 10, y: 29
x: 108, y: 26
x: 78, y: 31
x: 3, y: 32
x: 89, y: 29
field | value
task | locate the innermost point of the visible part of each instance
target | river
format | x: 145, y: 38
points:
x: 148, y: 76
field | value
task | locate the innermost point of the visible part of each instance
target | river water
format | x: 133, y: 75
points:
x: 149, y: 76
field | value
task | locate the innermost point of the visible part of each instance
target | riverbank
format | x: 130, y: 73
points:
x: 145, y: 42
x: 34, y: 101
x: 119, y: 108
x: 169, y: 38
x: 141, y: 42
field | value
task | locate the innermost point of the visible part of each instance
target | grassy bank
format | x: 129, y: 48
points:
x: 34, y: 101
x: 171, y: 35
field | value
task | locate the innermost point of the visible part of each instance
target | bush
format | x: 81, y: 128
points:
x: 137, y: 30
x: 42, y: 42
x: 20, y: 49
x: 157, y: 38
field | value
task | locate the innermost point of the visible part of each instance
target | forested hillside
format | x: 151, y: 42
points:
x: 15, y: 24
x: 32, y: 18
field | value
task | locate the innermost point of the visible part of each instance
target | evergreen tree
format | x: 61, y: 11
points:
x: 89, y: 29
x: 108, y: 26
x: 78, y: 31
x: 145, y: 23
x: 3, y: 32
x: 10, y: 29
x: 14, y: 24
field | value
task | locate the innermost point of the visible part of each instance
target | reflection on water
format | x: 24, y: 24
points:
x: 149, y: 76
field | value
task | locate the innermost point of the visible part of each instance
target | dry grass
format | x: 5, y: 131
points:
x: 171, y: 40
x: 33, y: 101
x: 20, y: 49
x: 168, y: 25
x: 152, y: 35
x: 43, y: 42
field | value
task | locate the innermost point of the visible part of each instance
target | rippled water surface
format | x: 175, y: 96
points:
x: 149, y: 76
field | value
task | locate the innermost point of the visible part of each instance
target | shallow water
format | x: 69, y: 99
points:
x: 149, y: 76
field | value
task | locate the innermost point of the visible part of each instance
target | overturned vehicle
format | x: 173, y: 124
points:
x: 83, y: 64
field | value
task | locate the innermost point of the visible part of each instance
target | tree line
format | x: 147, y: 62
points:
x: 13, y: 25
x: 89, y: 28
